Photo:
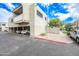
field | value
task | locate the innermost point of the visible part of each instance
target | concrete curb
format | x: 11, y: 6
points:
x: 51, y: 40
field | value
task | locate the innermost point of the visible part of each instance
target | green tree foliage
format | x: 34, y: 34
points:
x: 54, y: 22
x: 62, y: 24
x: 68, y: 27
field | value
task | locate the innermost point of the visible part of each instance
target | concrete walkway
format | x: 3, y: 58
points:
x: 60, y: 38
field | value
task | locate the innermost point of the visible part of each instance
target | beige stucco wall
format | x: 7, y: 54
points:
x: 26, y: 13
x: 3, y: 28
x: 32, y: 17
x: 24, y: 17
x: 39, y: 24
x: 18, y: 18
x: 12, y: 24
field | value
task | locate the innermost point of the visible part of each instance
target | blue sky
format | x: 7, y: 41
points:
x: 6, y: 10
x: 67, y: 12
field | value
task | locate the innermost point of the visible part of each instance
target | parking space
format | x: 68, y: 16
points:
x: 20, y: 30
x: 10, y: 42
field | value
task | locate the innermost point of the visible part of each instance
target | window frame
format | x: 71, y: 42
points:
x: 39, y: 14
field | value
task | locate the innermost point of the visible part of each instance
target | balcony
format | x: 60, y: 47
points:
x: 18, y: 19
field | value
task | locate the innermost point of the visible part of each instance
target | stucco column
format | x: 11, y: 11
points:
x: 32, y: 17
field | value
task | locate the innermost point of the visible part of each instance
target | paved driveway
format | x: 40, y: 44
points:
x: 46, y: 48
x: 20, y: 45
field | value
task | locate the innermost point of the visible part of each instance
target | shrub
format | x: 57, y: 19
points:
x: 43, y: 34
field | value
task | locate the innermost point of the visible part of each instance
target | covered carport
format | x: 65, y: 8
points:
x: 20, y: 27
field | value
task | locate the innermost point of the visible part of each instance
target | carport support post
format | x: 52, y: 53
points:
x: 9, y: 29
x: 32, y: 28
x: 17, y: 28
x: 13, y: 29
x: 22, y: 28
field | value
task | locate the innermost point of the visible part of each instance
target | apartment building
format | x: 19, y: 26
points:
x: 28, y: 16
x: 76, y: 24
x: 3, y: 26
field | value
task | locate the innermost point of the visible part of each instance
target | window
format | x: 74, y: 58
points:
x: 45, y: 18
x: 11, y: 20
x: 39, y: 14
x: 3, y: 24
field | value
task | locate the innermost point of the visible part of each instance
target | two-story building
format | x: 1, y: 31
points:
x: 28, y: 16
x: 3, y: 26
x: 76, y: 24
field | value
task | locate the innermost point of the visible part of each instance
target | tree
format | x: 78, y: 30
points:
x: 62, y: 24
x: 68, y: 27
x: 54, y: 22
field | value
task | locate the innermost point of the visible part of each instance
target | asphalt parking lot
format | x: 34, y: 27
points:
x: 13, y: 44
x: 9, y: 42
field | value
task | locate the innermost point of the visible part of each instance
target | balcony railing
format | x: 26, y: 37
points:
x: 18, y: 19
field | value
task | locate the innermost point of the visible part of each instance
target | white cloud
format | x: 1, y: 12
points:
x: 9, y: 4
x: 4, y: 14
x: 73, y: 10
x: 43, y: 5
x: 62, y: 16
x: 46, y: 4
